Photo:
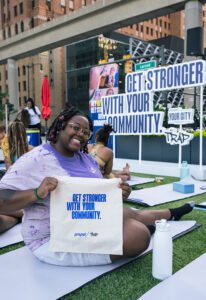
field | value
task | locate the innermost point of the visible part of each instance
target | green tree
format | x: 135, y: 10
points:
x: 2, y: 105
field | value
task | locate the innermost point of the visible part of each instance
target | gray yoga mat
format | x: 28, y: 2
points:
x: 11, y: 236
x: 135, y: 180
x: 22, y: 274
x: 188, y: 283
x: 163, y: 194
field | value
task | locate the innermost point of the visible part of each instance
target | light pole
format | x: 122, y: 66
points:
x: 31, y: 66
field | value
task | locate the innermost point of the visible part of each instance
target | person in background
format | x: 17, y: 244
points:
x: 28, y: 183
x: 17, y: 139
x: 24, y: 117
x: 104, y: 155
x: 4, y: 145
x: 34, y: 113
x: 17, y: 145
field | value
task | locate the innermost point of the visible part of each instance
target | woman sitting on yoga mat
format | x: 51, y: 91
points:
x: 29, y: 181
x: 104, y: 155
x: 17, y: 146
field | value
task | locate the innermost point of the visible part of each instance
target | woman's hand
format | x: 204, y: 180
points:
x: 48, y: 184
x: 126, y: 189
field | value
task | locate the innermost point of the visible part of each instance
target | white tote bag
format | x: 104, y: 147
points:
x: 86, y: 216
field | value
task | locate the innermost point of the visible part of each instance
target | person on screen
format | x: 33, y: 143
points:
x: 110, y: 79
x: 29, y: 181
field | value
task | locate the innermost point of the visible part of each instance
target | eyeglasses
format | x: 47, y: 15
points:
x: 78, y: 128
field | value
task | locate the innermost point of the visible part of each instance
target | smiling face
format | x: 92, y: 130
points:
x: 73, y: 137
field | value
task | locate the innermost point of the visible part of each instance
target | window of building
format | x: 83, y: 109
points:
x: 160, y: 23
x: 147, y: 30
x: 84, y: 3
x: 22, y: 26
x: 9, y: 32
x: 169, y: 26
x: 165, y: 25
x: 25, y: 98
x: 16, y: 28
x: 3, y: 2
x: 32, y: 4
x: 19, y: 84
x: 15, y: 10
x: 21, y: 8
x: 9, y: 15
x: 151, y: 31
x: 0, y: 75
x: 20, y: 101
x: 48, y: 3
x: 71, y: 5
x: 32, y: 22
x: 6, y: 74
x: 4, y: 34
x: 4, y: 18
x: 24, y: 85
x: 18, y: 71
x: 24, y: 70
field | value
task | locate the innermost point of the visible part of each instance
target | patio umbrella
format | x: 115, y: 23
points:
x: 45, y: 100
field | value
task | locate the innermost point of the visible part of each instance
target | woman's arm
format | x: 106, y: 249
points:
x: 109, y: 162
x: 11, y: 200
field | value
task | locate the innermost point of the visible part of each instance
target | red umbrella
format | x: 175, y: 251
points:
x: 45, y: 100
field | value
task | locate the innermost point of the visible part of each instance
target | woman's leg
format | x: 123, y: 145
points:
x: 136, y: 233
x: 150, y: 216
x: 7, y: 222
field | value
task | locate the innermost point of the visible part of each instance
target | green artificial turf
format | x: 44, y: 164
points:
x: 133, y: 280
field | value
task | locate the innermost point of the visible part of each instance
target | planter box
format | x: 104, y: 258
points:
x: 156, y: 149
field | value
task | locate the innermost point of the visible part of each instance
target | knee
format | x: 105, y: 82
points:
x: 136, y: 239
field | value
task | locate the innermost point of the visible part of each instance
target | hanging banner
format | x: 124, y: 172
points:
x: 87, y: 217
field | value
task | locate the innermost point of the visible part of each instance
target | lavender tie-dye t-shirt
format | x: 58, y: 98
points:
x: 29, y: 171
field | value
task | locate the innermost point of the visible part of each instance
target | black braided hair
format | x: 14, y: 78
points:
x: 61, y: 121
x: 102, y: 135
x: 91, y: 127
x: 17, y: 139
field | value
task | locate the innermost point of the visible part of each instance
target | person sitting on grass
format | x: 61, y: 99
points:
x: 104, y: 155
x: 30, y: 180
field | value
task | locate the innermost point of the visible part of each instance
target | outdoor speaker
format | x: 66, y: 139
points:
x: 195, y: 42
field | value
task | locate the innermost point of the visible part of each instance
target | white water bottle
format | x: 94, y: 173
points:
x: 184, y: 171
x: 162, y: 251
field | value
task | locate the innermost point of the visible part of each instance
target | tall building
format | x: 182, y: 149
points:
x: 18, y: 16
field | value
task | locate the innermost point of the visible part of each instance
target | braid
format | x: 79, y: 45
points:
x: 17, y: 139
x: 60, y: 123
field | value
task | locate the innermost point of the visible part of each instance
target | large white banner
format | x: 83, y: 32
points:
x: 86, y: 216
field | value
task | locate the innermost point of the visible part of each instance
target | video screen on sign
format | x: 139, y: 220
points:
x: 103, y: 82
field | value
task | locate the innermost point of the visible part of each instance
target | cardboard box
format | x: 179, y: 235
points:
x: 183, y: 187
